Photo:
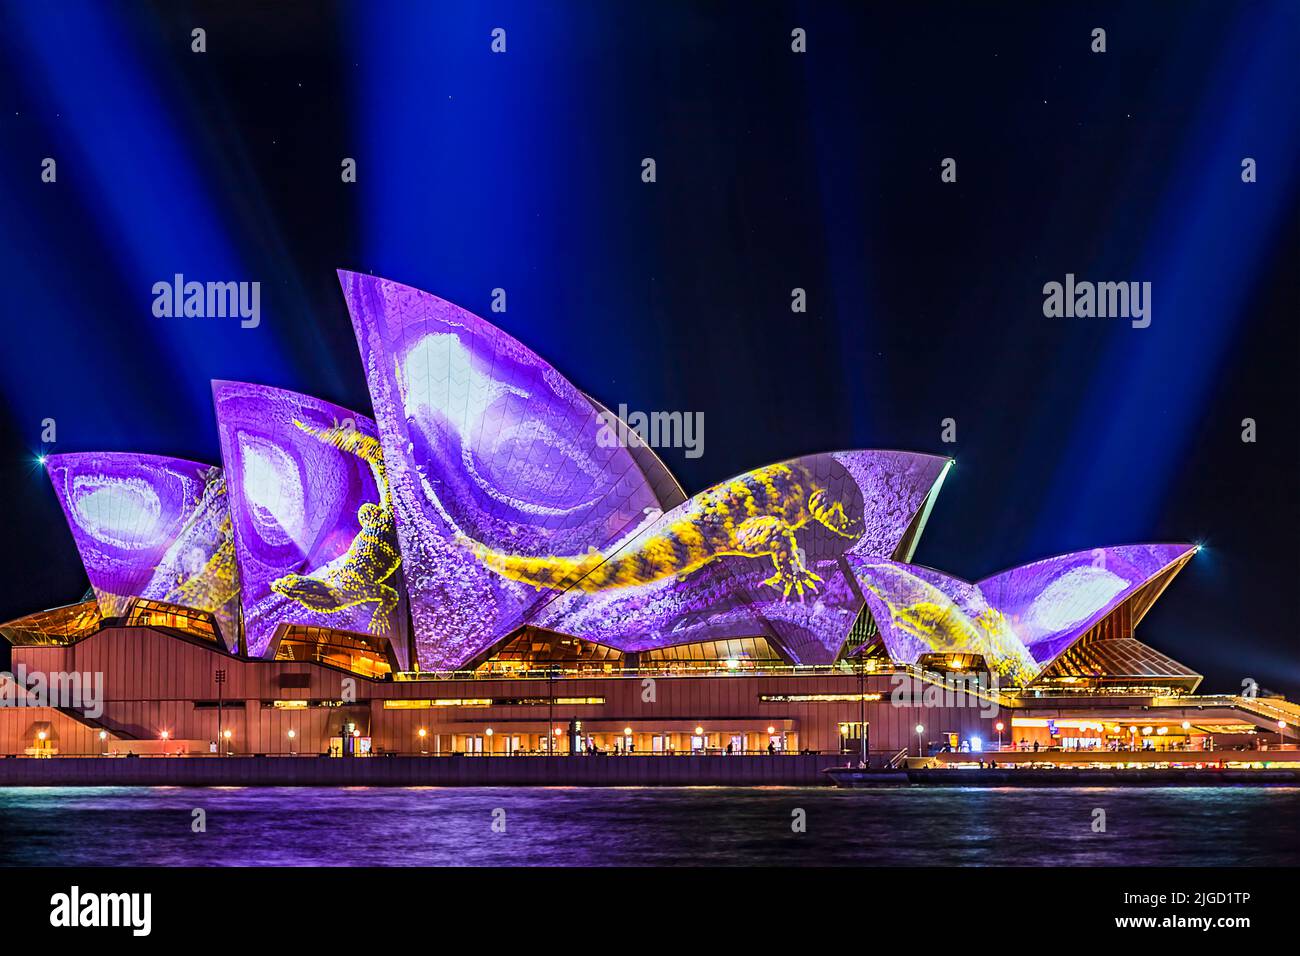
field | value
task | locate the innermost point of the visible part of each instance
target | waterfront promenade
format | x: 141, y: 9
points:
x: 747, y: 770
x: 413, y: 771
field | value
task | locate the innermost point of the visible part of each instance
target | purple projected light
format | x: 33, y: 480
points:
x: 312, y: 516
x: 763, y: 554
x: 151, y: 527
x: 1053, y: 601
x: 485, y: 445
x: 919, y: 611
x: 1021, y: 619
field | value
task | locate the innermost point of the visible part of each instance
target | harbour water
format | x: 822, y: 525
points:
x: 514, y: 826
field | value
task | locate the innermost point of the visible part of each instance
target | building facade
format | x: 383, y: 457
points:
x: 496, y: 564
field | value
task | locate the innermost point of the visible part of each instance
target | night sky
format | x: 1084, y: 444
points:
x: 775, y: 170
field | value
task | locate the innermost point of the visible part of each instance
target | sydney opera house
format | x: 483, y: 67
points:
x: 486, y: 567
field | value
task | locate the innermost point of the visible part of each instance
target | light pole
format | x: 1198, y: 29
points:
x: 489, y: 741
x: 1281, y: 730
x: 920, y: 729
x: 292, y: 735
x: 227, y: 733
x: 220, y: 678
x: 423, y: 733
x: 862, y: 707
x: 999, y: 725
x: 103, y: 743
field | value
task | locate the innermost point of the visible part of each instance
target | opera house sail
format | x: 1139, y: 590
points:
x: 485, y: 445
x: 153, y: 528
x: 1020, y: 620
x: 312, y: 516
x: 762, y: 554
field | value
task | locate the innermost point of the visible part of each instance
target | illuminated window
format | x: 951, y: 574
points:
x: 361, y: 654
x: 55, y: 628
x: 428, y: 703
x: 742, y: 653
x: 199, y: 624
x: 814, y: 698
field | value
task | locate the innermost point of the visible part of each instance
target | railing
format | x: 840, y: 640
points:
x: 707, y: 669
x: 380, y: 754
x: 673, y: 669
x: 1273, y: 708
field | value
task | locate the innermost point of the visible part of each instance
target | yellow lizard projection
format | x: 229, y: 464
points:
x: 209, y: 588
x: 370, y: 560
x: 754, y: 515
x: 938, y: 622
x: 217, y: 581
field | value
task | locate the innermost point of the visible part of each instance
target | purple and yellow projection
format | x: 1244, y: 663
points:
x: 151, y: 527
x: 761, y: 554
x: 511, y: 510
x: 486, y: 493
x: 1052, y: 601
x: 922, y: 611
x: 1019, y: 620
x: 312, y: 516
x: 484, y: 444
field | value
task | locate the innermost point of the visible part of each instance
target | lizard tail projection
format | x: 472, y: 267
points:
x: 358, y: 576
x: 944, y: 627
x: 755, y: 515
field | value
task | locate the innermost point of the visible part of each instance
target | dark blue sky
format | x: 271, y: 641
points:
x: 775, y: 170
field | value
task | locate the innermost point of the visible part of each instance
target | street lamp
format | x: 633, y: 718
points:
x: 227, y: 733
x: 999, y: 726
x: 489, y: 741
x: 103, y: 737
x: 920, y: 729
x: 1281, y: 730
x: 423, y: 733
x: 292, y: 735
